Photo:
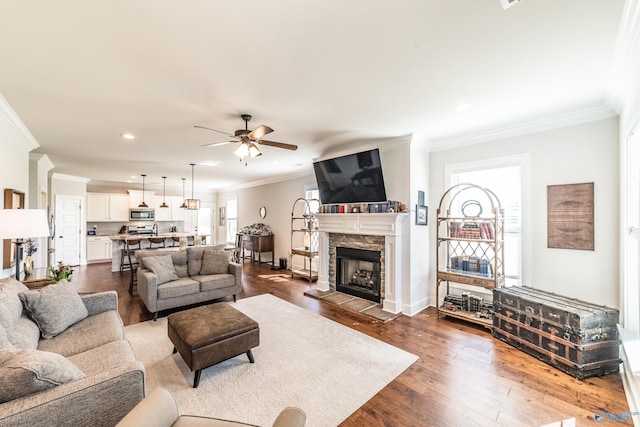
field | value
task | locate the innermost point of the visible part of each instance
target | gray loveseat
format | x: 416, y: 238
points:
x: 87, y: 374
x: 189, y: 276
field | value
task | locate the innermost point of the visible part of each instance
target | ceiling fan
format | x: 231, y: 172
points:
x: 248, y: 139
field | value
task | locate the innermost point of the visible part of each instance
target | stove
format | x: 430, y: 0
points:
x: 143, y: 229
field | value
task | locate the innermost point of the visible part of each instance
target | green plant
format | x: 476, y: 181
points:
x: 61, y: 272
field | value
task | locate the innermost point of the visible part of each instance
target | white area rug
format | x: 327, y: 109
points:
x: 303, y: 360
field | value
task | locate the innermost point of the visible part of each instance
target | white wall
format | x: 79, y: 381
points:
x: 15, y: 144
x: 39, y: 166
x: 582, y: 153
x: 419, y: 250
x: 278, y: 198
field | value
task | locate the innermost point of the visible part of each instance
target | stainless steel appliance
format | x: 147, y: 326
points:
x: 148, y: 230
x: 138, y: 214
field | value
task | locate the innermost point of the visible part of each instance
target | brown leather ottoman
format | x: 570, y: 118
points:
x: 210, y: 334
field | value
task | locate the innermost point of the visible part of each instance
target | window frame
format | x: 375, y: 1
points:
x: 521, y: 160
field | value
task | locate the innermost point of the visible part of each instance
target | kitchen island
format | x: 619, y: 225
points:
x: 119, y: 241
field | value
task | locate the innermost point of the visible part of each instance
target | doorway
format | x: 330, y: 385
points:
x: 68, y: 237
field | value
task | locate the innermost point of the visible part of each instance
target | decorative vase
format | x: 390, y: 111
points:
x: 28, y: 265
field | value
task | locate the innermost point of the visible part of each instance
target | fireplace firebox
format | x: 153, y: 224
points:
x: 358, y: 273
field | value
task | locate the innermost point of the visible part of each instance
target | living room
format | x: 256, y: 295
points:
x: 556, y: 146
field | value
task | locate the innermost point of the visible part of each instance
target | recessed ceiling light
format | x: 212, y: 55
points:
x: 128, y: 136
x: 211, y: 163
x: 462, y: 107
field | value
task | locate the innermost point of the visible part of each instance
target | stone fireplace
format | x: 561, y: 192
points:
x: 375, y: 239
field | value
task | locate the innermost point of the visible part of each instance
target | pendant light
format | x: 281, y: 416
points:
x: 183, y: 205
x: 192, y: 204
x: 164, y: 186
x: 143, y: 204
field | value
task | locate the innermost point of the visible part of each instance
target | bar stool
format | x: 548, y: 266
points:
x: 159, y: 241
x: 176, y: 241
x: 128, y: 260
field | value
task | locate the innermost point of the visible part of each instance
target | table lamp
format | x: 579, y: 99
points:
x: 22, y: 224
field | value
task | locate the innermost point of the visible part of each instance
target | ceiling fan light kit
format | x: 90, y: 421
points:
x: 192, y: 204
x: 143, y: 204
x: 249, y: 140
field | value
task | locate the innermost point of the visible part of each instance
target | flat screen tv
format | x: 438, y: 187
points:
x: 353, y: 178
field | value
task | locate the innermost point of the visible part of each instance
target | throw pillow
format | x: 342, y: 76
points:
x: 194, y: 260
x: 180, y: 263
x: 162, y: 267
x: 25, y: 333
x: 10, y: 305
x: 214, y: 262
x: 54, y: 308
x: 30, y: 371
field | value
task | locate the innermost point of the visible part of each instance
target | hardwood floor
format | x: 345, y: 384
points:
x: 464, y: 376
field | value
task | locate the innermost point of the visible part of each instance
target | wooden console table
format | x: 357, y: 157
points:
x: 38, y: 279
x: 257, y: 245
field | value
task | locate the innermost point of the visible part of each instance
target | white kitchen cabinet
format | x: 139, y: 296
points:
x: 105, y: 207
x: 135, y: 198
x: 98, y: 248
x: 177, y: 214
x: 172, y: 213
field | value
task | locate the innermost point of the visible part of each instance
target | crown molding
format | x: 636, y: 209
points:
x: 527, y: 128
x: 625, y: 63
x: 10, y: 120
x: 43, y: 159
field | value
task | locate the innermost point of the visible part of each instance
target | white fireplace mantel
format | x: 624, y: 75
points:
x: 380, y: 224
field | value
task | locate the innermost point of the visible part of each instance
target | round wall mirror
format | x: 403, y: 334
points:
x: 262, y: 211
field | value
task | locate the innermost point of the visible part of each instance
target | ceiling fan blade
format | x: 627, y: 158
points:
x: 215, y: 144
x: 278, y: 144
x: 259, y: 132
x: 206, y: 128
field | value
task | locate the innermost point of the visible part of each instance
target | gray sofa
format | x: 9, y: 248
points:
x: 195, y: 274
x: 105, y: 380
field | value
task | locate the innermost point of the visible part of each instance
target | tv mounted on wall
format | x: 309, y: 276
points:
x: 353, y: 178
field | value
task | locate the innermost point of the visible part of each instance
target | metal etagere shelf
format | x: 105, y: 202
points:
x: 304, y: 239
x: 469, y: 250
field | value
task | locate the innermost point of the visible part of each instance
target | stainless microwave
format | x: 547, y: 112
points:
x: 139, y: 214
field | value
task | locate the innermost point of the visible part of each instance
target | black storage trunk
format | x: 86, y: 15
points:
x: 574, y: 336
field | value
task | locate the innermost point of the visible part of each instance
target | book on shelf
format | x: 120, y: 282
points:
x: 474, y: 230
x: 470, y: 265
x: 389, y: 206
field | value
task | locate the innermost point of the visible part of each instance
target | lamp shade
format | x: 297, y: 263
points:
x: 23, y: 223
x: 193, y: 204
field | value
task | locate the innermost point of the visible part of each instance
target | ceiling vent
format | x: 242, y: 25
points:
x: 508, y: 3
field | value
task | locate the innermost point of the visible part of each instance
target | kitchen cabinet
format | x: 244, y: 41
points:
x: 172, y: 213
x: 105, y: 207
x: 98, y: 248
x: 135, y: 198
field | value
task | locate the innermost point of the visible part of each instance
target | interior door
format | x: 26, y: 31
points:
x: 68, y: 229
x: 205, y: 221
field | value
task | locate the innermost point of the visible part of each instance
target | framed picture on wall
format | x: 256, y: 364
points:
x: 13, y: 199
x: 421, y: 214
